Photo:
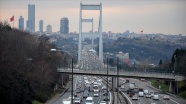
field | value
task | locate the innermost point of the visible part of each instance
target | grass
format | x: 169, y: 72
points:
x: 164, y: 87
x: 182, y: 94
x: 36, y: 102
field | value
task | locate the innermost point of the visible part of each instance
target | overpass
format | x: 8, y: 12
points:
x: 127, y: 74
x: 173, y: 79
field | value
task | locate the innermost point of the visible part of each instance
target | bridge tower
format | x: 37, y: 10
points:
x: 92, y: 34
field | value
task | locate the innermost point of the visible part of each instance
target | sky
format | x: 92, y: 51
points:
x: 151, y: 16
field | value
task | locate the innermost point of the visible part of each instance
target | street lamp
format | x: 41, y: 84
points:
x: 72, y: 70
x: 117, y: 79
x: 175, y: 65
x: 107, y: 76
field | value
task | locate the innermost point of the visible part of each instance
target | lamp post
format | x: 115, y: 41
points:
x: 72, y: 71
x: 176, y: 82
x: 117, y: 79
x: 107, y: 78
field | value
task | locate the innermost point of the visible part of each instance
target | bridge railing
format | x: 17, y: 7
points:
x: 124, y: 73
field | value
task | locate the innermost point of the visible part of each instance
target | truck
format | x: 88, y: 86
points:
x: 66, y: 101
x: 131, y: 86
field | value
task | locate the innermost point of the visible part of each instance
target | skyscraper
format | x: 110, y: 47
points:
x: 21, y: 23
x: 31, y: 18
x: 64, y: 28
x: 49, y: 29
x: 41, y: 25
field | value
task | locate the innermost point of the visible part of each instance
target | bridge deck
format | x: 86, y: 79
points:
x: 129, y: 74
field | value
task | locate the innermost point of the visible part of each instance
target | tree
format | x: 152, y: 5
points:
x: 22, y: 79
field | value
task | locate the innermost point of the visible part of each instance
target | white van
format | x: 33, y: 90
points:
x: 140, y: 94
x: 89, y: 100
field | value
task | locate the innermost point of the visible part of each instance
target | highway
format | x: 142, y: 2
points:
x: 79, y: 81
x: 146, y: 86
x: 90, y: 61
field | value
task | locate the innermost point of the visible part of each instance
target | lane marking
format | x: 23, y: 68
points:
x: 174, y: 101
x: 127, y: 98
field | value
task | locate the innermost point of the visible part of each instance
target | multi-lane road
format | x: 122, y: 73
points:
x: 79, y: 83
x: 90, y: 61
x: 145, y: 85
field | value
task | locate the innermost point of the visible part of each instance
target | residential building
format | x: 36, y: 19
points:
x: 49, y: 29
x: 41, y: 25
x: 64, y: 25
x: 21, y: 23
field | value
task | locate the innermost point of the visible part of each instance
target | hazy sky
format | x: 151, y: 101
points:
x: 151, y: 16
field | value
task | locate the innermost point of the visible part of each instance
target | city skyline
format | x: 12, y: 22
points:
x: 167, y: 16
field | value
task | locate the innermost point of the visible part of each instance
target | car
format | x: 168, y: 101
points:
x: 96, y: 94
x: 122, y: 87
x: 128, y: 91
x: 96, y: 90
x: 156, y: 97
x: 89, y: 100
x: 148, y: 95
x: 131, y: 94
x: 127, y: 80
x: 135, y: 97
x: 135, y: 87
x: 140, y: 94
x: 146, y: 91
x: 105, y: 94
x: 75, y: 93
x: 133, y: 83
x: 140, y: 89
x: 106, y: 98
x: 85, y: 95
x: 95, y: 86
x: 151, y: 93
x: 166, y: 97
x: 102, y: 102
x: 77, y: 100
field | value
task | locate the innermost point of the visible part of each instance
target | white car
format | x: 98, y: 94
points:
x: 156, y: 97
x: 77, y: 101
x: 96, y: 90
x: 148, y: 95
x: 135, y: 97
x: 122, y: 86
x: 166, y: 97
x: 89, y: 100
x: 96, y: 86
x: 96, y: 94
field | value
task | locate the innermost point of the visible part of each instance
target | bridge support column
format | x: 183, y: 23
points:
x: 172, y: 86
x: 114, y: 84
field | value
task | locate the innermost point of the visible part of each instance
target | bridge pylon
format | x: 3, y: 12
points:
x: 92, y: 34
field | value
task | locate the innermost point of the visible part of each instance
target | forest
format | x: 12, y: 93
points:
x: 27, y: 66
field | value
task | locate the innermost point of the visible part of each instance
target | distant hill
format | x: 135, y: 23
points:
x: 143, y: 49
